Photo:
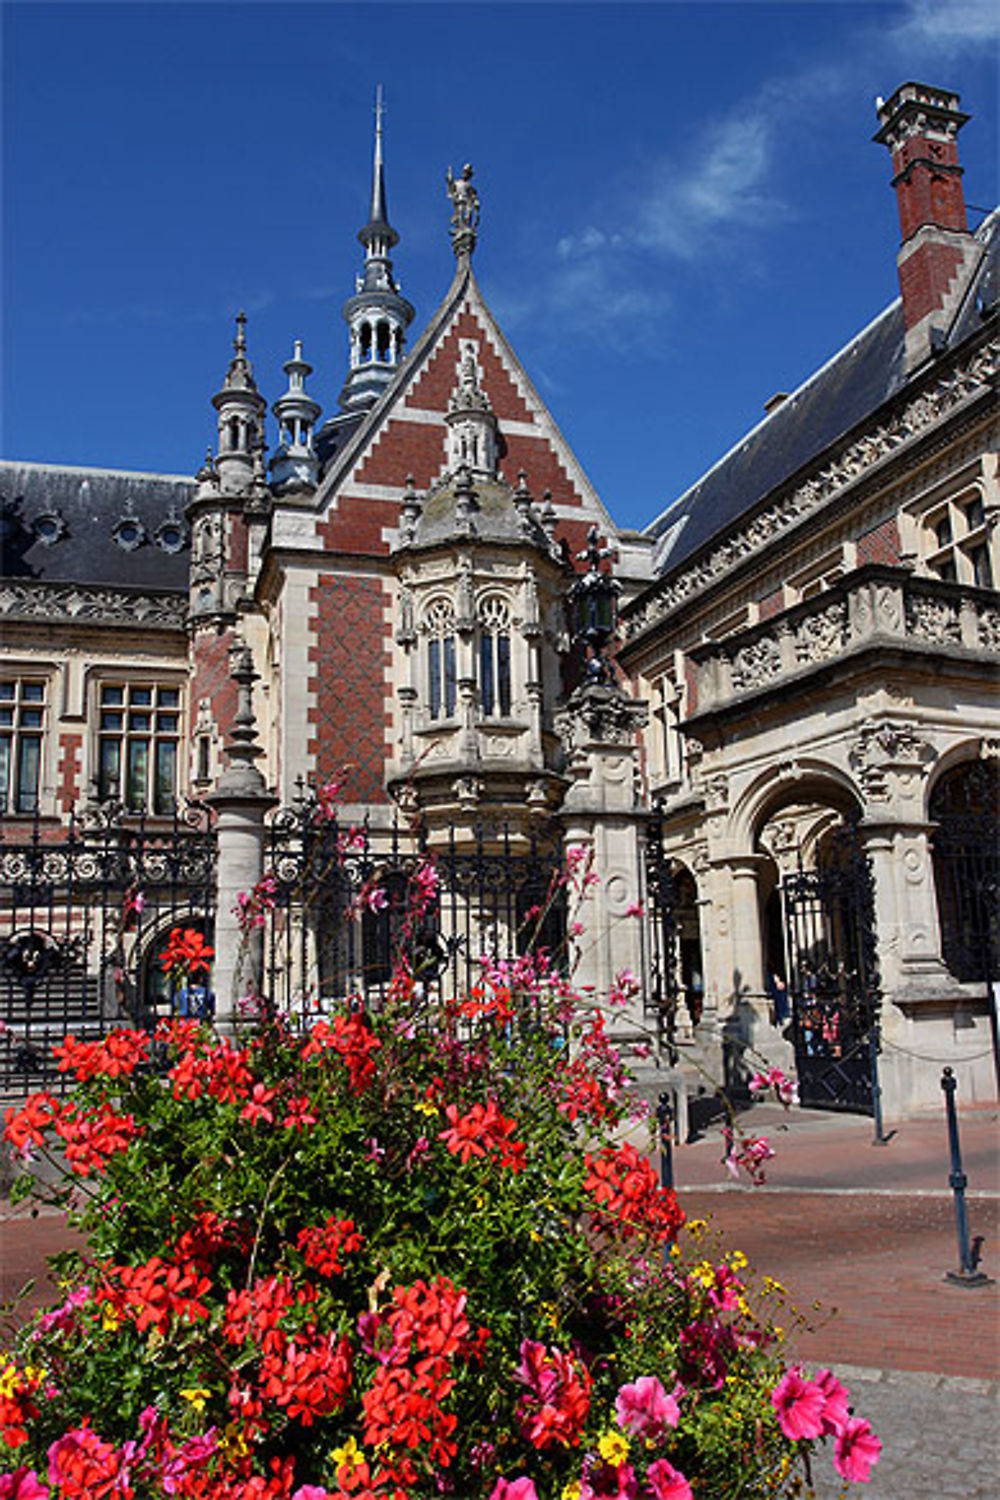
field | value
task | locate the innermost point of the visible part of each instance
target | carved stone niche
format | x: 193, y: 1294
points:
x: 597, y: 714
x: 888, y: 758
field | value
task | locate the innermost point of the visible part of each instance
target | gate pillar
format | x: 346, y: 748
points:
x: 241, y: 802
x: 601, y: 814
x: 747, y: 979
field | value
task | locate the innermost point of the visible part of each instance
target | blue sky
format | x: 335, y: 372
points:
x: 683, y: 211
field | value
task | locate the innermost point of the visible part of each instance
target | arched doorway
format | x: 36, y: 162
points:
x: 822, y: 950
x: 965, y: 848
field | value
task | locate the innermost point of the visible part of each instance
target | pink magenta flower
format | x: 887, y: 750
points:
x: 514, y: 1489
x: 799, y: 1404
x: 644, y: 1408
x: 311, y: 1492
x: 666, y: 1482
x: 856, y: 1451
x: 836, y: 1410
x: 23, y: 1484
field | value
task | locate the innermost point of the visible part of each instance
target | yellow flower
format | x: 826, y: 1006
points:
x: 109, y: 1318
x: 572, y: 1490
x: 234, y: 1445
x: 696, y: 1227
x: 197, y: 1395
x: 613, y: 1447
x: 425, y: 1107
x: 35, y: 1372
x: 348, y: 1457
x: 9, y: 1381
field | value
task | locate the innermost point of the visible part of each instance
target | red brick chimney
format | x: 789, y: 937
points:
x: 920, y: 126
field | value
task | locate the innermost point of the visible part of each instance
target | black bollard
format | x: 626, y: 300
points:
x: 665, y: 1119
x: 966, y: 1275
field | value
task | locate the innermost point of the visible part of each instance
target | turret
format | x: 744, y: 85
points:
x: 295, y: 466
x: 377, y: 315
x: 241, y: 410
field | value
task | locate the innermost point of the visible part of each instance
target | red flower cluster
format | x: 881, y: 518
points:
x: 553, y: 1412
x: 352, y: 1040
x: 322, y: 1245
x: 115, y: 1057
x: 199, y: 1247
x: 186, y: 953
x: 629, y: 1195
x: 483, y: 1130
x: 223, y: 1071
x: 26, y: 1127
x: 310, y: 1375
x: 91, y: 1136
x: 153, y: 1293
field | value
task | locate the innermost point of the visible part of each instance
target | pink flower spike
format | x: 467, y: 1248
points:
x: 666, y: 1482
x: 635, y: 909
x: 836, y: 1411
x: 799, y: 1405
x: 856, y: 1451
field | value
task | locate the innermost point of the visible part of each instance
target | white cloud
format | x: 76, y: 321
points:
x: 951, y: 25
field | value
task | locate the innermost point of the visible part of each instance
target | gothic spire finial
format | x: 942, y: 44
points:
x: 240, y: 341
x: 464, y: 211
x: 379, y: 213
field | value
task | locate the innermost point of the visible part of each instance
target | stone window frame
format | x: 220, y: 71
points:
x: 820, y: 574
x: 494, y: 654
x: 439, y: 660
x: 955, y: 542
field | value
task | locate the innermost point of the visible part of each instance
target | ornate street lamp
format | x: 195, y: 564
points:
x: 594, y: 601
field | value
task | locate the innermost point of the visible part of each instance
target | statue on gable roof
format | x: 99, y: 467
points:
x: 464, y: 210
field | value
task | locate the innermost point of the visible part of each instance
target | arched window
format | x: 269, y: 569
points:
x: 439, y: 627
x: 965, y: 846
x: 382, y: 332
x: 494, y: 657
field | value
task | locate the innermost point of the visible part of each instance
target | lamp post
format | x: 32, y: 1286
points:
x: 594, y: 601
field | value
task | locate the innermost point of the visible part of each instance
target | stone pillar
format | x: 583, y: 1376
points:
x: 240, y: 801
x: 747, y: 978
x: 601, y: 815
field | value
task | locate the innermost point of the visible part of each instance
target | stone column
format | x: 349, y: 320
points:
x: 240, y: 801
x: 747, y: 978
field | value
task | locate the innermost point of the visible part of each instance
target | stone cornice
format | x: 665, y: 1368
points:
x: 76, y: 604
x: 843, y: 469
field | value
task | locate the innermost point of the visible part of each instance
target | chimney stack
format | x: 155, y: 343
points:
x: 920, y: 126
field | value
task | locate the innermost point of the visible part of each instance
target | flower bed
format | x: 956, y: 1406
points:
x: 393, y: 1256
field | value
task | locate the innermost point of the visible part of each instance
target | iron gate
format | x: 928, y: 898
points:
x: 85, y: 912
x: 833, y: 980
x: 965, y: 809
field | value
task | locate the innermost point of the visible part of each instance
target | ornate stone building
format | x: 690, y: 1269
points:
x: 811, y: 636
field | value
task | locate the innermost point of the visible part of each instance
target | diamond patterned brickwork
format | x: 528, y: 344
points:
x: 880, y: 545
x: 349, y: 716
x: 210, y: 651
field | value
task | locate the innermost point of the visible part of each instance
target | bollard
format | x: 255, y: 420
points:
x: 664, y: 1118
x: 966, y: 1275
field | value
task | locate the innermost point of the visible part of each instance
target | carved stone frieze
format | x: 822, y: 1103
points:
x: 988, y: 623
x: 821, y: 636
x: 949, y: 391
x: 80, y: 603
x: 716, y: 790
x: 933, y: 619
x: 756, y: 664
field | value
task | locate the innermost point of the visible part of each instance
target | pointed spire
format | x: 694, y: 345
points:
x: 241, y: 410
x: 295, y: 465
x: 377, y: 315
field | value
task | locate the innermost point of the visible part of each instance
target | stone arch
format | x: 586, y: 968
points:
x: 964, y: 753
x: 818, y: 782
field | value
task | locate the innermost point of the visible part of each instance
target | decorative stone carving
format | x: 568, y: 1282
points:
x: 821, y: 636
x: 464, y: 210
x: 933, y: 619
x: 468, y: 790
x: 855, y: 459
x: 75, y: 602
x: 599, y: 713
x: 988, y: 623
x: 883, y: 749
x: 756, y: 664
x: 716, y: 789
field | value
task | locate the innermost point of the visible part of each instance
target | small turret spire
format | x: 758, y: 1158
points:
x: 241, y: 410
x: 379, y: 213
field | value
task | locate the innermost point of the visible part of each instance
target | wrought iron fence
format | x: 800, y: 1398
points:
x: 343, y: 906
x: 85, y: 911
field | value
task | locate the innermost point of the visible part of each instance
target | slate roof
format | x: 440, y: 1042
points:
x: 842, y: 393
x: 104, y: 527
x: 492, y: 516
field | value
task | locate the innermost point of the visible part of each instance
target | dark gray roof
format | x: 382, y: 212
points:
x: 94, y: 526
x: 844, y: 392
x: 491, y: 515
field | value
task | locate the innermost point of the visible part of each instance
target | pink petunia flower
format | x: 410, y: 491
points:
x: 799, y: 1405
x: 645, y: 1409
x: 666, y: 1482
x: 856, y: 1451
x: 514, y: 1489
x: 23, y: 1484
x: 836, y: 1410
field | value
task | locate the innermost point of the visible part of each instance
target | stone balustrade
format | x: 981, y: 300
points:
x: 873, y: 605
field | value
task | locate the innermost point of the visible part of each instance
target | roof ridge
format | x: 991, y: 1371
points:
x: 28, y: 463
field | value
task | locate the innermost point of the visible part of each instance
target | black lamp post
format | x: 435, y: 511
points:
x: 594, y: 601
